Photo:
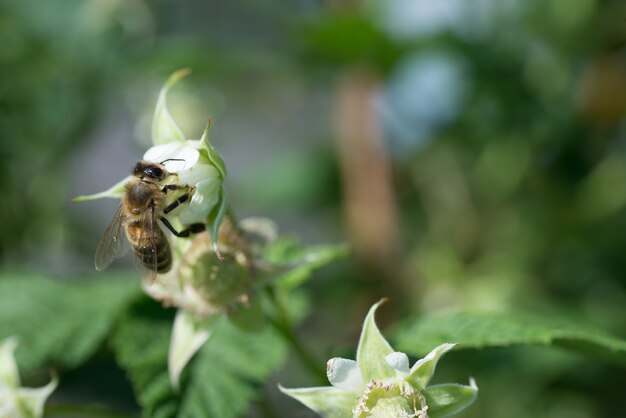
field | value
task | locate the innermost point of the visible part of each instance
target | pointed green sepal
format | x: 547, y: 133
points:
x: 216, y: 217
x: 164, y: 128
x: 213, y: 155
x: 449, y: 399
x: 16, y: 401
x: 116, y: 192
x: 30, y: 402
x: 9, y: 376
x: 329, y: 402
x: 372, y: 350
x: 423, y: 370
x: 188, y: 336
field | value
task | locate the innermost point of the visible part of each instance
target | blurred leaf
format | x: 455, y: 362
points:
x: 296, y: 263
x: 60, y: 322
x: 482, y: 330
x: 221, y: 380
x: 343, y: 39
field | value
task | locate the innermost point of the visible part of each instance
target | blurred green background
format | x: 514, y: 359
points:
x: 473, y: 153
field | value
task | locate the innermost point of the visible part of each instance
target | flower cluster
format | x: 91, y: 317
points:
x: 197, y: 283
x: 381, y: 384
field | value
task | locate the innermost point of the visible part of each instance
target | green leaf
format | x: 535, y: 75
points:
x: 140, y: 344
x: 449, y: 399
x: 484, y: 329
x: 327, y: 401
x: 221, y: 379
x: 58, y: 321
x: 294, y: 264
x: 164, y: 128
x: 372, y: 350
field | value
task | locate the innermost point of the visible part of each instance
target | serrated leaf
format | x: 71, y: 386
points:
x: 221, y: 379
x: 485, y: 329
x: 164, y: 128
x: 60, y: 322
x: 140, y: 344
x: 238, y: 363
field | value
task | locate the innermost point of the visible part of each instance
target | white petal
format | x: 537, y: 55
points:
x: 344, y: 374
x: 158, y: 153
x: 188, y: 336
x: 9, y: 376
x: 173, y: 151
x: 202, y: 203
x: 198, y: 172
x: 399, y: 361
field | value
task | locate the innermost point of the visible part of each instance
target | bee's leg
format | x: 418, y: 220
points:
x: 174, y: 187
x: 176, y: 203
x: 191, y: 229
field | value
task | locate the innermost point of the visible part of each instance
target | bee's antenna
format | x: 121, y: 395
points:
x: 171, y: 159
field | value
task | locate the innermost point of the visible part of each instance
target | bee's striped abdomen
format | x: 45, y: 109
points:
x: 155, y: 254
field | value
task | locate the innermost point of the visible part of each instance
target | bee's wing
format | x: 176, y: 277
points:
x: 149, y: 239
x: 113, y: 243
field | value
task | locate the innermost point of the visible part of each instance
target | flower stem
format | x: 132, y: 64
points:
x: 282, y: 324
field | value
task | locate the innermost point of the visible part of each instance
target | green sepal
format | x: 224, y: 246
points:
x: 423, y: 370
x: 9, y: 376
x: 116, y: 191
x: 216, y: 217
x: 448, y: 399
x: 212, y: 154
x: 188, y: 335
x: 372, y: 350
x: 30, y: 402
x: 329, y: 402
x: 164, y: 128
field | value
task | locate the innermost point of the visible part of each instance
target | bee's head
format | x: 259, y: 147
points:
x: 150, y: 170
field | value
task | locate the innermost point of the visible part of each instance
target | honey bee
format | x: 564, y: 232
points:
x: 144, y: 204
